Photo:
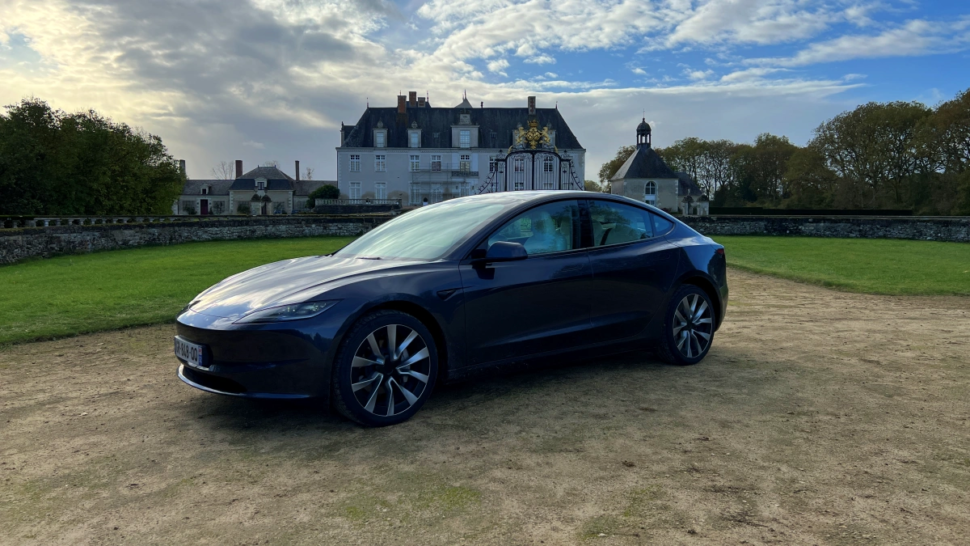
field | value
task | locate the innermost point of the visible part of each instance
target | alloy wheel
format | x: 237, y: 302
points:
x: 693, y: 326
x: 390, y: 370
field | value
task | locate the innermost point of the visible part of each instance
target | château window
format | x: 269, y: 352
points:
x: 379, y: 139
x: 380, y: 162
x: 465, y: 165
x: 355, y: 163
x: 547, y: 165
x: 492, y: 164
x: 415, y: 139
x: 651, y: 188
x: 380, y: 190
x: 415, y: 162
x: 436, y: 163
x: 259, y: 185
x: 465, y: 139
x: 355, y: 190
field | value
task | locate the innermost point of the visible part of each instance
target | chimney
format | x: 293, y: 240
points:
x: 401, y: 104
x: 532, y: 106
x: 483, y: 104
x: 182, y: 166
x: 298, y: 171
x: 412, y: 98
x: 421, y: 102
x: 239, y: 171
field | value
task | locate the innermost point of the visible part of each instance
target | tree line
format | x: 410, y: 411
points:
x: 896, y: 155
x: 56, y: 163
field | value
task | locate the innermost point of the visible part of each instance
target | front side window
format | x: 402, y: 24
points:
x: 554, y: 227
x: 465, y: 138
x: 616, y: 223
x: 650, y: 188
x: 415, y: 162
x: 355, y: 163
x: 465, y: 165
x: 436, y: 163
x: 379, y: 139
x: 380, y: 190
x: 355, y: 190
x: 380, y: 162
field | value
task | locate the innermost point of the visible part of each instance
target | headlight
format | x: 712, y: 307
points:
x: 293, y: 311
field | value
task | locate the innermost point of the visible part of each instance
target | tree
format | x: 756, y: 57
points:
x: 873, y: 148
x: 810, y: 183
x: 82, y: 163
x: 225, y: 170
x: 591, y: 185
x: 685, y: 155
x: 308, y: 173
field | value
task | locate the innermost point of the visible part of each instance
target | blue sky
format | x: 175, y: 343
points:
x: 262, y: 80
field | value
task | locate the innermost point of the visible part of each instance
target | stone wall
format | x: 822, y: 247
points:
x: 29, y: 242
x: 956, y: 229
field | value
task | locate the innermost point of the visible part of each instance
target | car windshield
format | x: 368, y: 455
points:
x: 423, y: 234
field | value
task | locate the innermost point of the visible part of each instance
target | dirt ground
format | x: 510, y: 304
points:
x: 820, y: 417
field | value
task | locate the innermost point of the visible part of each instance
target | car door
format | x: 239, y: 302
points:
x: 531, y: 306
x: 633, y: 268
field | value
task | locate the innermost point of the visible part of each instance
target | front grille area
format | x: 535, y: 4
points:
x: 213, y: 382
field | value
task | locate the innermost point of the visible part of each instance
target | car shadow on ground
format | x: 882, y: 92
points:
x: 534, y: 398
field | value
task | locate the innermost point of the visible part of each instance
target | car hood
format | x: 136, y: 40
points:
x: 287, y: 281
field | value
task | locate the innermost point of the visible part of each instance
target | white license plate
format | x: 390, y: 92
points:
x: 192, y: 353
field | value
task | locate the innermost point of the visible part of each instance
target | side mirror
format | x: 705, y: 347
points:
x: 504, y: 251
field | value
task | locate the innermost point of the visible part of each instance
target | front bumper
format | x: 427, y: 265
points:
x: 282, y: 361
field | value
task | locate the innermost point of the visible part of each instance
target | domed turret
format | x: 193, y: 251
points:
x: 643, y: 133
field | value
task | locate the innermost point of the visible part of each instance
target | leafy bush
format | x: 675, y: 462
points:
x: 243, y: 208
x: 326, y: 191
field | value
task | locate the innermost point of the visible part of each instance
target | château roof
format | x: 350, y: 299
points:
x: 494, y: 126
x: 275, y: 179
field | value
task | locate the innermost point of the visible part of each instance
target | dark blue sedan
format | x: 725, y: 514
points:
x: 448, y: 290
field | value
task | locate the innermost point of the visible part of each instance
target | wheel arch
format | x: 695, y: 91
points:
x: 426, y: 318
x: 708, y: 287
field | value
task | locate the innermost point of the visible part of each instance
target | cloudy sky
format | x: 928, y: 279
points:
x: 263, y: 80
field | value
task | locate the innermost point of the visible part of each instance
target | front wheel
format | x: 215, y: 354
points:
x: 688, y: 327
x: 385, y: 369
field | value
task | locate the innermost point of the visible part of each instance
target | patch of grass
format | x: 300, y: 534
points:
x: 71, y: 295
x: 874, y: 266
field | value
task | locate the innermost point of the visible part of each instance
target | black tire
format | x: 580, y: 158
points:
x: 376, y: 375
x: 676, y: 347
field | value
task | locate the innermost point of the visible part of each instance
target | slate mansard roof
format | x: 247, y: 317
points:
x: 644, y: 163
x: 217, y: 187
x: 275, y: 179
x: 495, y: 126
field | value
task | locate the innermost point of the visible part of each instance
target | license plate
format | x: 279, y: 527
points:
x: 193, y: 354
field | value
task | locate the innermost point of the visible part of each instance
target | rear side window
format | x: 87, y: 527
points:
x: 661, y: 225
x: 616, y: 223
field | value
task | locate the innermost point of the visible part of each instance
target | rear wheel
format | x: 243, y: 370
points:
x: 385, y: 369
x: 688, y: 327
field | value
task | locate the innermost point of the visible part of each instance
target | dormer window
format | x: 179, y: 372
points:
x: 464, y: 138
x: 260, y: 185
x: 380, y: 139
x: 205, y: 190
x: 414, y: 139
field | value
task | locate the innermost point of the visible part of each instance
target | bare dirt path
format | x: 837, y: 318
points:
x: 820, y: 417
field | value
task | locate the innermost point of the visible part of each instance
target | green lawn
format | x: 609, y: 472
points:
x: 85, y: 293
x: 877, y: 266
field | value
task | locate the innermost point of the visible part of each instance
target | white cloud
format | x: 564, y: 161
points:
x: 541, y: 59
x: 254, y: 144
x: 552, y: 75
x: 750, y: 21
x: 498, y: 66
x: 748, y: 74
x: 698, y: 74
x: 917, y: 37
x: 640, y: 71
